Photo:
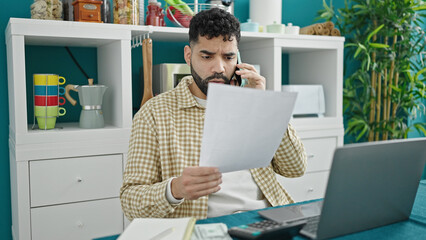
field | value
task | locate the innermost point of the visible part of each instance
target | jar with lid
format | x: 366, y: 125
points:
x: 126, y: 11
x: 47, y: 9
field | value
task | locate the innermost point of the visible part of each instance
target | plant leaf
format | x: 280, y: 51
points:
x: 324, y: 4
x: 378, y: 45
x: 359, y: 6
x: 351, y: 45
x: 416, y: 77
x: 420, y: 8
x: 374, y: 33
x: 420, y: 128
x: 361, y: 134
x: 397, y: 89
x: 360, y: 48
x: 357, y: 52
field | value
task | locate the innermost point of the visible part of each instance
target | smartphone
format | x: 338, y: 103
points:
x: 238, y: 77
x: 241, y: 81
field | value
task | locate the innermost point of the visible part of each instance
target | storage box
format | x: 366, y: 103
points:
x: 310, y: 100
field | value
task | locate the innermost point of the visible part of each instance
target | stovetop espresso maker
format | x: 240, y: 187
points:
x: 90, y: 97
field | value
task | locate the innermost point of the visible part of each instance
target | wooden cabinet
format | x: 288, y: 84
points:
x: 65, y: 181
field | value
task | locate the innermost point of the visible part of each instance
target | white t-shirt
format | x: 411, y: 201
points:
x: 239, y: 192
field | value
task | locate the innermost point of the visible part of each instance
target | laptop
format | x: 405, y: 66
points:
x: 370, y: 185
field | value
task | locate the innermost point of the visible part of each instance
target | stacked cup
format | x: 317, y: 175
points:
x: 47, y: 99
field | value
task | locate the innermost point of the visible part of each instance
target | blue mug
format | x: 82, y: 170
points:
x: 48, y: 90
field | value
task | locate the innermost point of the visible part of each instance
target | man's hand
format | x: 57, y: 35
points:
x: 248, y: 72
x: 196, y: 182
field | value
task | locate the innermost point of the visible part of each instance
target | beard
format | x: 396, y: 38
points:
x: 203, y: 83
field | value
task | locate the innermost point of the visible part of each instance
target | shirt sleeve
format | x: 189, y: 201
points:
x: 169, y: 194
x: 143, y: 193
x: 290, y: 159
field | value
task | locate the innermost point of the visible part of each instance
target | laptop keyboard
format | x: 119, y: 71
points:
x: 311, y: 224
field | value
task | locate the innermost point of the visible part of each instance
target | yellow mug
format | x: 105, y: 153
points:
x: 46, y: 122
x: 49, y: 111
x: 48, y: 79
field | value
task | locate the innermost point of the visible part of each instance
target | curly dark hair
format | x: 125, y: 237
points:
x: 212, y: 23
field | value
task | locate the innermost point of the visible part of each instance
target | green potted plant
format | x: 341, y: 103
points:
x: 386, y: 44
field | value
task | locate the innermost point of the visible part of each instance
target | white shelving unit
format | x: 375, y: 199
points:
x: 312, y: 60
x: 65, y: 182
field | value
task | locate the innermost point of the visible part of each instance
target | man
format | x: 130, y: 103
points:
x: 162, y: 176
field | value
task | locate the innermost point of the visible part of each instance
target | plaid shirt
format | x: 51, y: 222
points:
x: 166, y: 138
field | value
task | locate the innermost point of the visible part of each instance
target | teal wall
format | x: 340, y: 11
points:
x: 299, y: 12
x: 7, y: 9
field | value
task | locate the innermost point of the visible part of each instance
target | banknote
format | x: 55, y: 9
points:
x: 212, y: 231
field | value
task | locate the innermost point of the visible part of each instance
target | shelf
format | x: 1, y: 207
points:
x: 291, y: 43
x: 66, y: 127
x: 113, y: 50
x: 176, y: 34
x: 316, y: 123
x: 65, y: 33
x: 71, y: 141
x: 68, y: 132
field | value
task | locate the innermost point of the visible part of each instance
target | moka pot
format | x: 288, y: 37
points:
x: 90, y: 97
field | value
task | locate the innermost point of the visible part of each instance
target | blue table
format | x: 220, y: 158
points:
x: 413, y: 228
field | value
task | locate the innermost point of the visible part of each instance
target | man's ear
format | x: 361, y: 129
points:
x: 187, y: 55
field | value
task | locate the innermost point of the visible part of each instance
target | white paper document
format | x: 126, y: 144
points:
x: 243, y: 127
x: 159, y: 228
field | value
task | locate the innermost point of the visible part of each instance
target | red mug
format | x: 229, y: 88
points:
x: 48, y: 100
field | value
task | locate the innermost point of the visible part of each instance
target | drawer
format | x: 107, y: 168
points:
x: 84, y: 220
x: 309, y: 186
x: 75, y: 179
x: 320, y: 153
x: 89, y: 15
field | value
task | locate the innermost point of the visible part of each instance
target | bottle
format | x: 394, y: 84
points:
x: 152, y: 15
x: 141, y: 12
x: 106, y: 12
x: 161, y: 15
x: 68, y: 10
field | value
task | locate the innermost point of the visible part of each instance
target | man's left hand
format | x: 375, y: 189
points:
x: 248, y: 72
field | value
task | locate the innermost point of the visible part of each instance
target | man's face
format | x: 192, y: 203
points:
x: 212, y: 60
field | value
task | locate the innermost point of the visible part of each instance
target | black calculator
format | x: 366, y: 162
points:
x: 267, y: 229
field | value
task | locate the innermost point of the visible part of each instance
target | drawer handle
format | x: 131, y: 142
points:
x: 91, y: 15
x: 80, y: 224
x: 310, y: 189
x: 79, y: 179
x: 311, y: 155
